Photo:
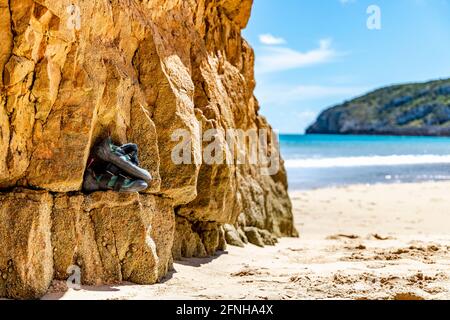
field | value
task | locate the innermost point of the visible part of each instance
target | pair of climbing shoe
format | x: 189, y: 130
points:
x: 115, y: 168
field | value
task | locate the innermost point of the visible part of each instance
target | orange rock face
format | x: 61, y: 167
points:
x: 73, y: 73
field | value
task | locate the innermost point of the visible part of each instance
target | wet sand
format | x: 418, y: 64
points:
x: 357, y: 242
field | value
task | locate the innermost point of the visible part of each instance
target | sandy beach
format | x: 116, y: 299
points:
x: 356, y: 242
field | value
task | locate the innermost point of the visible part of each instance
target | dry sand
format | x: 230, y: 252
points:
x: 357, y: 242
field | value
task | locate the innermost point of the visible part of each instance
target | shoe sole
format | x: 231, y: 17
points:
x: 91, y: 185
x: 137, y: 186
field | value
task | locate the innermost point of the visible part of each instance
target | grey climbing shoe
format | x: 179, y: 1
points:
x: 110, y: 181
x: 131, y: 149
x: 109, y: 152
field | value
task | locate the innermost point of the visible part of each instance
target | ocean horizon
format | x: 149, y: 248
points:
x: 320, y: 161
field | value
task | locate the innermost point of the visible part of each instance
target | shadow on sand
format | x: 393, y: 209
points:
x: 190, y: 262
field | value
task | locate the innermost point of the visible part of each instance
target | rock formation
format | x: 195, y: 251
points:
x: 421, y: 109
x: 74, y: 72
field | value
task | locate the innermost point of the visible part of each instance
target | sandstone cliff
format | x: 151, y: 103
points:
x: 74, y: 72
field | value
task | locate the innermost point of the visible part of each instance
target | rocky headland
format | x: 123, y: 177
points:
x: 418, y: 109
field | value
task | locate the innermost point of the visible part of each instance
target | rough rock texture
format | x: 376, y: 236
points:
x: 232, y: 236
x: 421, y: 109
x: 197, y: 239
x: 26, y: 265
x: 74, y: 72
x: 112, y: 237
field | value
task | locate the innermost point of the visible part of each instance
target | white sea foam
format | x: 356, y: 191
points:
x: 367, y: 161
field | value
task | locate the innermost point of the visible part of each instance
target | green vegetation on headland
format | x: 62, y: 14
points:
x: 408, y: 109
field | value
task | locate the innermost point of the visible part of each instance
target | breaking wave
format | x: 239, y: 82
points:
x: 367, y: 161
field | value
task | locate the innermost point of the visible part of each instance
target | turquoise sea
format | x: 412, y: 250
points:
x: 316, y: 161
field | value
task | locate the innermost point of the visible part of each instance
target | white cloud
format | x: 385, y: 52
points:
x: 275, y: 59
x: 306, y: 118
x: 347, y: 1
x: 310, y: 92
x: 270, y: 40
x: 280, y: 95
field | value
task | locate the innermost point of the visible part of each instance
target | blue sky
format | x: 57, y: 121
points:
x: 313, y: 54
